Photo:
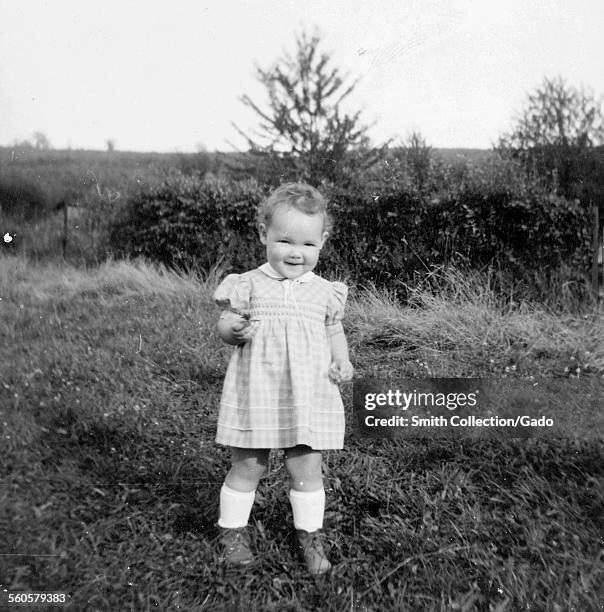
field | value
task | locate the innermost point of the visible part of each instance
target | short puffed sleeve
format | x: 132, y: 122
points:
x: 336, y: 302
x: 234, y: 293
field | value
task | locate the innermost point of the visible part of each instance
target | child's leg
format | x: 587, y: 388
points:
x: 307, y: 495
x: 305, y: 468
x: 248, y: 465
x: 239, y: 488
x: 307, y: 498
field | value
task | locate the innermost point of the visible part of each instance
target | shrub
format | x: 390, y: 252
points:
x: 484, y: 217
x: 489, y: 215
x: 21, y: 198
x: 187, y: 221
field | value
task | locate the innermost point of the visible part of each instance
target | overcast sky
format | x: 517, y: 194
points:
x: 167, y: 76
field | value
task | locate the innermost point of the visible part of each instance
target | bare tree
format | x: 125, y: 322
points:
x: 303, y: 124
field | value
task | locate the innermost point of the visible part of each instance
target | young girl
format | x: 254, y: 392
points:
x: 280, y: 389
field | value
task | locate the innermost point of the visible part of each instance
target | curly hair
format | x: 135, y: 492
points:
x: 300, y: 196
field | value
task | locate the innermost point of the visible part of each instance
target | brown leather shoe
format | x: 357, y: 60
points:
x: 311, y: 547
x: 235, y: 546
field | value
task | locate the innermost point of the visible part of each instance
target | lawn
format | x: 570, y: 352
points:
x: 110, y: 380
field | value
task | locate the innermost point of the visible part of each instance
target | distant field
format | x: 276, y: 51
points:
x: 472, y: 155
x: 64, y: 172
x: 70, y: 174
x: 110, y: 384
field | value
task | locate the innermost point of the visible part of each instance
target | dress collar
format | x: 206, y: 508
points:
x: 270, y: 271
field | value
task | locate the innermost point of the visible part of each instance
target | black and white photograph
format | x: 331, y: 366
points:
x: 302, y: 305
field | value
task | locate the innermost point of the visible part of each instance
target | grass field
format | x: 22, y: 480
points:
x: 111, y: 378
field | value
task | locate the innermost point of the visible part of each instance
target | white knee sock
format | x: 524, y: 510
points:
x: 308, y: 508
x: 235, y: 507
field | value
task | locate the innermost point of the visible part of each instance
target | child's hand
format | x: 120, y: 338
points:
x: 244, y: 330
x: 340, y: 371
x: 236, y: 329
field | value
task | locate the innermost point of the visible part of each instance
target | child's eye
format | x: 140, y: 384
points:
x: 309, y: 244
x: 283, y: 241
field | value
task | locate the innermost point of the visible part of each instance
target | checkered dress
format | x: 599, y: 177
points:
x: 276, y: 392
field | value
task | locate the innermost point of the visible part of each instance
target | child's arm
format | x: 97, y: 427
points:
x: 234, y: 328
x: 341, y: 369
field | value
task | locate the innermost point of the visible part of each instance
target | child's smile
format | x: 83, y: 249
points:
x: 293, y: 241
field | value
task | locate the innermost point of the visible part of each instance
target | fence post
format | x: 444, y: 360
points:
x: 595, y: 285
x: 65, y: 229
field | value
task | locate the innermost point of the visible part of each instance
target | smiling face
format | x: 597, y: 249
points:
x: 293, y: 241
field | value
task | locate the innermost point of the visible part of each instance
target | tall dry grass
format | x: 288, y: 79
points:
x: 459, y: 315
x: 24, y: 280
